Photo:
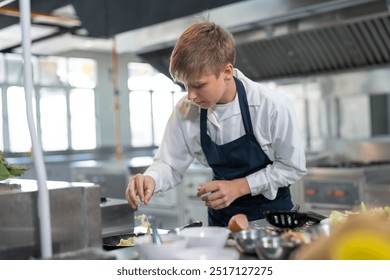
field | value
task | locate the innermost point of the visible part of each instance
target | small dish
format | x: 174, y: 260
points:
x: 148, y: 250
x: 275, y: 248
x: 205, y: 236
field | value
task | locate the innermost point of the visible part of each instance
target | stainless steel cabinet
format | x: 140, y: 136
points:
x: 111, y: 176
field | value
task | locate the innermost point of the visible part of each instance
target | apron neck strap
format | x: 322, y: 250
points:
x: 244, y: 107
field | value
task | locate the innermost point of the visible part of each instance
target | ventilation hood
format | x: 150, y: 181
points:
x: 283, y: 38
x: 274, y: 38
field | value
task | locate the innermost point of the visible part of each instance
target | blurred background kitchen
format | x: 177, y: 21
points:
x: 103, y: 94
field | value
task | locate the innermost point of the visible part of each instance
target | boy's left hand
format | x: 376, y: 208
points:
x: 220, y: 194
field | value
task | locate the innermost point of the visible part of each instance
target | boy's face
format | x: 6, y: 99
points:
x: 206, y: 90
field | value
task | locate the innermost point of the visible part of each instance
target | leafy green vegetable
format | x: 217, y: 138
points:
x: 8, y: 170
x: 4, y: 173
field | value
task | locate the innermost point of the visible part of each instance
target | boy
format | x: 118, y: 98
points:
x: 245, y: 132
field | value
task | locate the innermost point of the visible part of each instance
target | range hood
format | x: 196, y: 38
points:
x: 275, y: 38
x: 336, y: 47
x: 283, y: 38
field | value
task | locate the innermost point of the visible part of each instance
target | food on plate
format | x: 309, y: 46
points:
x: 238, y: 222
x: 144, y: 223
x: 127, y: 242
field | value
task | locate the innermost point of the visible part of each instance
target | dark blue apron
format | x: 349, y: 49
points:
x: 238, y: 159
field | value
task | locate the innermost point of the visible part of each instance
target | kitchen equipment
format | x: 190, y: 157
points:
x: 170, y: 243
x: 111, y: 242
x: 209, y: 236
x: 318, y: 231
x: 292, y: 219
x: 117, y: 216
x: 111, y: 175
x: 193, y: 224
x: 343, y: 184
x: 275, y: 248
x: 156, y: 236
x: 75, y: 212
x: 247, y: 239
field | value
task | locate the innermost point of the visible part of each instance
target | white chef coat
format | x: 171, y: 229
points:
x: 274, y: 125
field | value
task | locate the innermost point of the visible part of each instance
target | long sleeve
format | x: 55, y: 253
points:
x: 274, y: 125
x: 174, y: 155
x: 285, y: 149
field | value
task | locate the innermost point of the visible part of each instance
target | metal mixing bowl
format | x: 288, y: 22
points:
x: 247, y: 239
x: 317, y: 231
x: 275, y: 248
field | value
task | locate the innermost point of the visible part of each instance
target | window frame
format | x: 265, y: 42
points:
x: 37, y: 86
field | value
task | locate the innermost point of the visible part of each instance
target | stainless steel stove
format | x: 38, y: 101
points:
x: 343, y: 185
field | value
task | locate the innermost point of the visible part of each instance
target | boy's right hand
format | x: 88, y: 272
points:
x: 141, y: 186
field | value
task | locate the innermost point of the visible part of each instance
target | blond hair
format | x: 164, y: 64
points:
x: 204, y: 48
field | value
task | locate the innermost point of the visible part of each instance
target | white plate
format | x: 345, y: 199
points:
x: 206, y: 253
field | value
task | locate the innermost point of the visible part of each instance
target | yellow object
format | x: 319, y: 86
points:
x: 361, y: 245
x: 353, y: 236
x: 337, y: 217
x: 127, y: 242
x: 363, y: 207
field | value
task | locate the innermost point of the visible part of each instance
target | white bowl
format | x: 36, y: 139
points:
x: 149, y: 251
x: 207, y: 253
x: 205, y: 236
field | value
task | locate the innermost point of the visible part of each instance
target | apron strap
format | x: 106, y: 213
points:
x: 246, y: 117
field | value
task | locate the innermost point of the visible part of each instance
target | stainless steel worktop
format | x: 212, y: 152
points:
x: 75, y: 217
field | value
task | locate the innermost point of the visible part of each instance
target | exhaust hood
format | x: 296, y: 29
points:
x: 282, y: 39
x: 274, y: 38
x: 336, y: 47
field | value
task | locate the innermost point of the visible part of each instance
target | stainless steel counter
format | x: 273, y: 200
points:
x: 117, y: 216
x: 75, y: 218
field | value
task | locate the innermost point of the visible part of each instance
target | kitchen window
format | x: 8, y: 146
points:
x: 83, y: 122
x: 18, y: 131
x: 64, y: 104
x: 140, y: 118
x: 1, y: 123
x: 53, y: 119
x: 2, y: 70
x: 152, y: 97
